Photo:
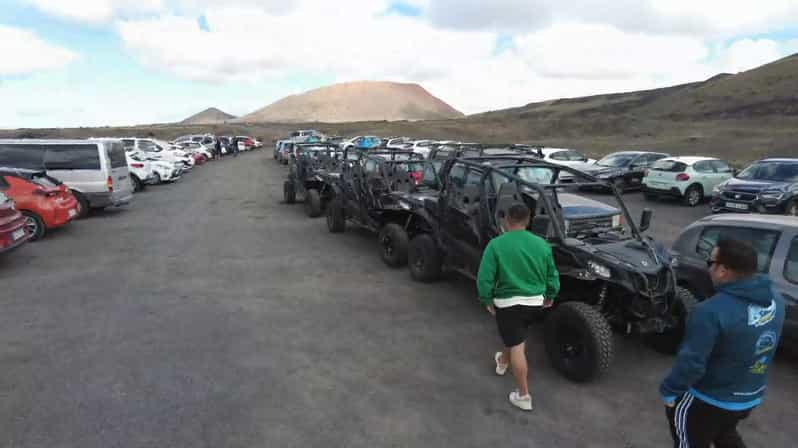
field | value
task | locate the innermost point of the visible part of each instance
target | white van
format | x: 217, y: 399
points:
x: 95, y: 170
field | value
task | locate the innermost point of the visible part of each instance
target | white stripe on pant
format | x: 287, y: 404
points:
x: 680, y: 419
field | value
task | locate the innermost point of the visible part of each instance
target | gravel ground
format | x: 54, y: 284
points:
x: 207, y: 314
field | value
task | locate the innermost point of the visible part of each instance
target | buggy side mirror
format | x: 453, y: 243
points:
x: 541, y: 225
x: 645, y: 219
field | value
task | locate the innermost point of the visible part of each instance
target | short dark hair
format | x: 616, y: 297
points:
x: 737, y: 256
x: 518, y: 214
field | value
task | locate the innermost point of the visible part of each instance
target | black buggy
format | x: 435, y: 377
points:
x: 310, y: 173
x: 383, y: 191
x: 611, y: 274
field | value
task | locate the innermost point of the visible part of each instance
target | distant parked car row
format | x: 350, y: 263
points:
x: 45, y: 184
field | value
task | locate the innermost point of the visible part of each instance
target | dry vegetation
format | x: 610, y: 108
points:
x: 739, y: 117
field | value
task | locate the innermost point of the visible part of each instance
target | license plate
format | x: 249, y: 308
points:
x: 72, y: 213
x: 18, y: 234
x: 737, y: 206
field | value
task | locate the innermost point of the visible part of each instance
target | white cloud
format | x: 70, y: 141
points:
x: 24, y: 53
x: 95, y: 11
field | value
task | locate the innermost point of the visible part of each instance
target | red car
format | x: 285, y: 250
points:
x: 13, y: 232
x: 44, y: 202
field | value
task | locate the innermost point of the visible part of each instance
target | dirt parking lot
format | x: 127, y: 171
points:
x: 207, y: 314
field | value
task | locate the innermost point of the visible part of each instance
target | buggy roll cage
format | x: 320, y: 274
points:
x: 486, y: 165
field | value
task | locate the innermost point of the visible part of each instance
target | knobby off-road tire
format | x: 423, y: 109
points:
x: 393, y: 242
x: 336, y: 218
x: 313, y: 203
x: 289, y: 192
x: 669, y: 341
x: 424, y: 259
x: 578, y: 341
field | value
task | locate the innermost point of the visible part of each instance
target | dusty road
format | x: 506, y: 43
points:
x: 207, y: 314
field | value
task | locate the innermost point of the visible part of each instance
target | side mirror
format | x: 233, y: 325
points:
x: 645, y: 219
x: 541, y: 225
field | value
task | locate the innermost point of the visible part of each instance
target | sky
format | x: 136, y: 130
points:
x: 123, y: 62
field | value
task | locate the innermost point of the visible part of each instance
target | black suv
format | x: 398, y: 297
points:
x: 611, y: 275
x: 309, y: 173
x: 766, y: 186
x: 383, y: 191
x: 775, y: 240
x: 625, y: 170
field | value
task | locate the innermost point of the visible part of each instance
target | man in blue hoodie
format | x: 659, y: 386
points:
x: 720, y: 373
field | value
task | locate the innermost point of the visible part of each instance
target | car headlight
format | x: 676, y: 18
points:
x: 599, y: 269
x: 773, y: 195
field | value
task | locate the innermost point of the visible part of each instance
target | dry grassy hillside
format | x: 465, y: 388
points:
x: 740, y: 117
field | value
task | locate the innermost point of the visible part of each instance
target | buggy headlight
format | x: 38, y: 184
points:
x: 599, y: 269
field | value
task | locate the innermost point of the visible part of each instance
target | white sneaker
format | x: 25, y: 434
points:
x: 520, y: 402
x: 501, y: 369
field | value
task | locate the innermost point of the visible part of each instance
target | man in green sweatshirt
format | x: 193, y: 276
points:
x: 517, y: 277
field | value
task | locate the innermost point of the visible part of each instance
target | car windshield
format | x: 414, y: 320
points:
x: 776, y: 171
x: 670, y: 166
x: 538, y: 175
x: 616, y: 160
x: 570, y: 156
x: 422, y: 171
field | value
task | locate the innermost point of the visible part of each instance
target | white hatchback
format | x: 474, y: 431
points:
x: 690, y: 179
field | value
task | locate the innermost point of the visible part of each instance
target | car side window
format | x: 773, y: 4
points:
x: 22, y: 156
x: 791, y: 263
x: 560, y: 155
x: 763, y: 241
x: 703, y: 167
x: 721, y: 166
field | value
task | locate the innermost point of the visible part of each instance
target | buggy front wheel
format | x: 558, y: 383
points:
x: 578, y: 341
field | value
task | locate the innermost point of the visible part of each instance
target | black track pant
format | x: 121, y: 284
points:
x: 696, y: 424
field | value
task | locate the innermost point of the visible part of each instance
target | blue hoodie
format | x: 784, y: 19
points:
x: 730, y: 341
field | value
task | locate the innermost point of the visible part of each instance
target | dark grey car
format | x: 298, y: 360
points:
x: 775, y: 239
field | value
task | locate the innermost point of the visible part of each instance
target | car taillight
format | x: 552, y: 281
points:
x: 137, y: 165
x: 110, y: 183
x: 681, y: 177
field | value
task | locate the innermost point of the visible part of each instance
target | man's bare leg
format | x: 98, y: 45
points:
x: 505, y: 358
x: 519, y: 367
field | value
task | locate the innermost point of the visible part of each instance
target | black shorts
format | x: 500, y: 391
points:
x: 514, y: 321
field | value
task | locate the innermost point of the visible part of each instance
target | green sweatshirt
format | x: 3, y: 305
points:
x: 517, y: 263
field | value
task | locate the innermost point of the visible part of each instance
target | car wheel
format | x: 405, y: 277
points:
x: 792, y: 208
x: 393, y: 245
x: 157, y: 179
x: 619, y: 184
x: 83, y: 204
x: 136, y: 183
x: 578, y: 341
x: 693, y: 196
x: 668, y: 342
x: 289, y: 193
x: 424, y: 259
x: 313, y: 203
x: 35, y: 225
x: 336, y: 219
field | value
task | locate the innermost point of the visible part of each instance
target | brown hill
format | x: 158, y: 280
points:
x: 211, y: 115
x: 356, y: 101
